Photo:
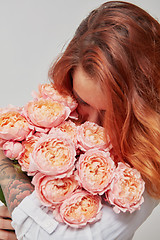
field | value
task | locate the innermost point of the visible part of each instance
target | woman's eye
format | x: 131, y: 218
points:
x: 79, y: 99
x: 83, y: 103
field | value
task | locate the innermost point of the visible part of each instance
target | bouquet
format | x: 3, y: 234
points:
x: 71, y: 166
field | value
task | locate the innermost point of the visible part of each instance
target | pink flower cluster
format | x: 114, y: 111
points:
x: 72, y: 166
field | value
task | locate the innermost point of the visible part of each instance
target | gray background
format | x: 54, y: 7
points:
x: 32, y: 34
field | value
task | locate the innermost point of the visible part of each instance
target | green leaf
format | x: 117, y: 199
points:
x: 2, y: 198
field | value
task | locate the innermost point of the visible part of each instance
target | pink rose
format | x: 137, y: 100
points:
x: 95, y: 171
x: 13, y: 126
x: 52, y: 191
x: 46, y: 113
x: 91, y: 135
x: 48, y: 90
x: 80, y: 208
x: 25, y: 158
x: 126, y: 189
x: 54, y: 154
x: 12, y: 150
x: 70, y: 129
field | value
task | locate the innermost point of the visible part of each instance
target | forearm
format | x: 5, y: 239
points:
x: 15, y: 185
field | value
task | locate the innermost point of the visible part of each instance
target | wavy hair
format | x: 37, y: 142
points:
x: 119, y: 45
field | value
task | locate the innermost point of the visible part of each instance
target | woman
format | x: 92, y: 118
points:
x: 111, y: 66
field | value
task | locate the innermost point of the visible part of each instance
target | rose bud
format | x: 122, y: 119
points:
x: 12, y: 150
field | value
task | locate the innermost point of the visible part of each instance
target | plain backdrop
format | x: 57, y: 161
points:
x: 32, y: 34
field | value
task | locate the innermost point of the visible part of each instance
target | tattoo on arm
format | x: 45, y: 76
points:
x: 15, y: 185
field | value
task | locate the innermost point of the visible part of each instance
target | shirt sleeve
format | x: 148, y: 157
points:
x: 33, y: 221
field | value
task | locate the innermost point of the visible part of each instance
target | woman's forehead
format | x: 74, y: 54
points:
x: 88, y: 89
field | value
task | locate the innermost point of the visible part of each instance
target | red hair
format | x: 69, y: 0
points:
x: 119, y: 44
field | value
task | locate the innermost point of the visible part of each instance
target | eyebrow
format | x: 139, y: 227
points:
x: 79, y: 98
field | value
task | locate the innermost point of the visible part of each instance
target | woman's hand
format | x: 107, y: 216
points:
x: 6, y: 230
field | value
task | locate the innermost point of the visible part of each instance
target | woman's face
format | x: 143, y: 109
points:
x: 90, y: 98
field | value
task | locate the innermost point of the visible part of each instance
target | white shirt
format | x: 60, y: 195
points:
x: 32, y: 221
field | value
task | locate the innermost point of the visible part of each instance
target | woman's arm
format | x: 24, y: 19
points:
x: 15, y: 185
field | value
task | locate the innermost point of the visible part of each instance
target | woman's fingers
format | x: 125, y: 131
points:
x: 5, y: 224
x: 6, y: 229
x: 7, y: 235
x: 4, y: 212
x: 5, y: 219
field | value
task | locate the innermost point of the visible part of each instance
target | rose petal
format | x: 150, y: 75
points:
x: 28, y: 146
x: 70, y: 129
